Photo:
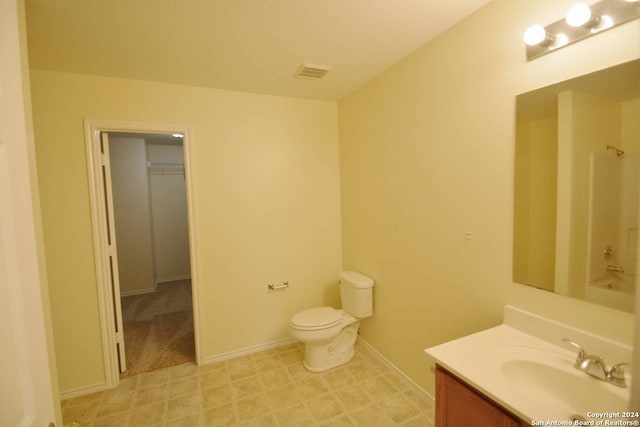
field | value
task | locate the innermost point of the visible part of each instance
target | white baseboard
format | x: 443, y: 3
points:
x: 172, y: 279
x: 395, y: 368
x: 247, y: 350
x: 81, y: 391
x: 140, y: 292
x: 155, y: 287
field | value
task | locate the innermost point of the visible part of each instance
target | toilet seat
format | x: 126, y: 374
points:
x: 316, y: 318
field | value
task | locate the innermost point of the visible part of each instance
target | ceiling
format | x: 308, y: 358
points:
x: 241, y: 45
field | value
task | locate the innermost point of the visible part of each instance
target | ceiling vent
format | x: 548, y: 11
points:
x: 312, y: 71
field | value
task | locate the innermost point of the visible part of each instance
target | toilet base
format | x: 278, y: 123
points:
x: 321, y: 357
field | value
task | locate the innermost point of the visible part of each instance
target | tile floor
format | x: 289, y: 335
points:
x: 269, y: 388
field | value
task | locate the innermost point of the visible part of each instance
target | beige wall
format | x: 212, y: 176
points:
x: 169, y: 212
x: 535, y: 183
x: 427, y: 155
x: 265, y: 180
x: 630, y: 134
x: 132, y: 214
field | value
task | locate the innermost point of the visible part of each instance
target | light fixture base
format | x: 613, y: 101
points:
x: 616, y: 12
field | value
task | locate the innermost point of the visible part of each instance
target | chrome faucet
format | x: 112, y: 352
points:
x: 595, y: 366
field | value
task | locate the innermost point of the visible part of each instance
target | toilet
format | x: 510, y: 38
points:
x: 329, y: 334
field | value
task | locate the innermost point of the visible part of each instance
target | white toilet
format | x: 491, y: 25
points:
x: 329, y: 334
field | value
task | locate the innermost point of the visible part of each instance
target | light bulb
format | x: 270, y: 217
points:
x: 578, y: 15
x: 534, y: 35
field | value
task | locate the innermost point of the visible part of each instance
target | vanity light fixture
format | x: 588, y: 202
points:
x: 580, y: 22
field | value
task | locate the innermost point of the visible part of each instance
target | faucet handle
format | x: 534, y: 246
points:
x: 616, y: 370
x: 616, y: 374
x: 581, y: 352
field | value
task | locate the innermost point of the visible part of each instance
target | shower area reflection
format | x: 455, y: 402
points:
x: 613, y: 229
x: 576, y: 187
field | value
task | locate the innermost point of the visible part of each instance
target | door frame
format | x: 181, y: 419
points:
x: 93, y: 128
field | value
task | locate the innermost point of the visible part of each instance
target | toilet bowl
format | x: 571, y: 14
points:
x: 329, y: 334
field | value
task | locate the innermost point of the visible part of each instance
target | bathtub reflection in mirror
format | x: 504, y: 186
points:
x: 576, y: 187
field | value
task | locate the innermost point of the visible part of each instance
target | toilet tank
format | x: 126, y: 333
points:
x: 356, y: 292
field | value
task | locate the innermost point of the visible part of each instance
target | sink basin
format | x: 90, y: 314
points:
x: 525, y: 368
x: 547, y: 380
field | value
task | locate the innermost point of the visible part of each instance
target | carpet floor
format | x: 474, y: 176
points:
x: 158, y: 328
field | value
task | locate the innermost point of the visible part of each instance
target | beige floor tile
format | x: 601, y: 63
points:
x: 127, y: 384
x: 184, y: 406
x: 275, y: 378
x: 378, y: 388
x: 266, y: 421
x: 363, y: 351
x: 298, y: 372
x: 284, y: 397
x: 252, y: 407
x: 338, y: 378
x: 214, y: 378
x: 271, y: 388
x: 241, y: 369
x: 399, y: 408
x: 148, y: 415
x: 378, y: 365
x: 324, y: 407
x: 115, y: 402
x: 421, y: 421
x: 116, y: 420
x: 182, y: 371
x: 212, y: 366
x: 362, y: 370
x: 152, y: 379
x: 420, y: 400
x: 217, y: 396
x: 146, y: 396
x: 186, y: 385
x: 340, y: 421
x: 371, y: 416
x: 222, y: 416
x: 396, y: 381
x: 269, y: 363
x: 311, y: 387
x: 296, y: 416
x: 353, y: 398
x: 193, y: 420
x: 292, y: 357
x: 272, y: 352
x: 246, y: 387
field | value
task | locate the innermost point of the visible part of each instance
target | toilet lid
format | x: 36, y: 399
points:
x: 317, y: 318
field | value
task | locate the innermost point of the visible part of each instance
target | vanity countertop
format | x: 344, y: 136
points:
x: 533, y: 376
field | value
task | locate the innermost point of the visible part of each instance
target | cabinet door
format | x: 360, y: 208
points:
x: 458, y: 405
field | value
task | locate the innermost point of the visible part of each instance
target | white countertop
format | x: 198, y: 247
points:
x: 482, y: 360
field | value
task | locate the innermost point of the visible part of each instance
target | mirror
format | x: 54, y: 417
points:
x: 576, y: 186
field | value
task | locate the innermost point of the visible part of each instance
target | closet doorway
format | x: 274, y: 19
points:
x: 152, y: 235
x: 141, y: 206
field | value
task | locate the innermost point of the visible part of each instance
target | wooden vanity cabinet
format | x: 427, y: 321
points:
x: 460, y: 405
